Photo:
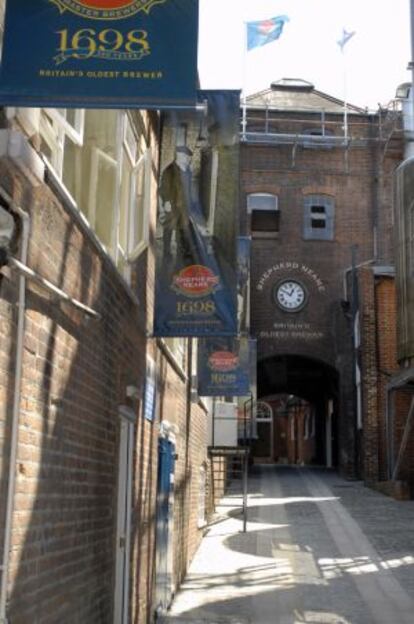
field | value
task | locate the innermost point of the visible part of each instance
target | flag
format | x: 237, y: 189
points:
x: 346, y: 36
x: 265, y: 31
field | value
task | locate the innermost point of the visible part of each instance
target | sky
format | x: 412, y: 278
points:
x: 374, y: 62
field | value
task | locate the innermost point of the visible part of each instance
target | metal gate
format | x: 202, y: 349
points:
x: 164, y: 526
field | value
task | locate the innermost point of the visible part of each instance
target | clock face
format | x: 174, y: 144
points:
x: 290, y: 295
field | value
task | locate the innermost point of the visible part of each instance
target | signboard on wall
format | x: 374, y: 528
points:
x: 223, y: 367
x: 100, y: 53
x: 197, y: 226
x: 150, y: 392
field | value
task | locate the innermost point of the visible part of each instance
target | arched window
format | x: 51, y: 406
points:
x: 264, y: 211
x: 263, y: 411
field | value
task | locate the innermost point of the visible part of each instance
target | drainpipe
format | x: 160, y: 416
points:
x: 25, y: 219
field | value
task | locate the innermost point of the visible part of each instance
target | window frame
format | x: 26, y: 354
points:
x: 177, y: 347
x: 264, y: 412
x: 53, y: 129
x: 274, y: 209
x: 140, y: 158
x: 326, y: 202
x: 129, y: 143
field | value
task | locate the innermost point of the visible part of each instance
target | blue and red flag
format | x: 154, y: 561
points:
x: 265, y: 31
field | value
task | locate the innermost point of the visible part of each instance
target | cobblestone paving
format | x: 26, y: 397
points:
x: 318, y: 550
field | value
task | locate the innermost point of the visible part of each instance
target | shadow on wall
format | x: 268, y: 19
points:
x: 74, y: 375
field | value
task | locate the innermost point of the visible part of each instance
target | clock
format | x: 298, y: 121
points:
x: 290, y: 295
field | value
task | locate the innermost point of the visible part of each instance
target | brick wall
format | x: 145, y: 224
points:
x: 359, y: 180
x: 370, y: 378
x: 379, y: 364
x: 75, y: 374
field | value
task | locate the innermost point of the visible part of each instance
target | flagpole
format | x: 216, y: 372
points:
x: 266, y: 31
x: 346, y: 36
x: 244, y: 99
x: 345, y: 99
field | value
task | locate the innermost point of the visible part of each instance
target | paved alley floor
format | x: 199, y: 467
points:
x: 318, y: 550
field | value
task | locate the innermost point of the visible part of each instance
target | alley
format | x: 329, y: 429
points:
x: 318, y: 549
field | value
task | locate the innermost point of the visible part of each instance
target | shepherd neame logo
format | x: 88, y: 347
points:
x: 106, y: 9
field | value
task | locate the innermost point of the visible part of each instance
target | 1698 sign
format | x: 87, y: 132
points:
x: 105, y: 44
x: 106, y: 9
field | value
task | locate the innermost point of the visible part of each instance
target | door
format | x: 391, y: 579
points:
x: 123, y: 531
x: 262, y: 446
x: 164, y: 525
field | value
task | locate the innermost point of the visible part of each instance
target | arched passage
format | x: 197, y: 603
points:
x: 303, y: 395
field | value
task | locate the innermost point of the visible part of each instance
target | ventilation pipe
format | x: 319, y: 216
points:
x: 406, y: 94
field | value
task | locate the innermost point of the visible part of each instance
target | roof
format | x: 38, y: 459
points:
x: 295, y: 94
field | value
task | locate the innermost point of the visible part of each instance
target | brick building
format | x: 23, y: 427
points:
x: 317, y: 183
x: 103, y: 460
x: 400, y: 387
x: 286, y: 431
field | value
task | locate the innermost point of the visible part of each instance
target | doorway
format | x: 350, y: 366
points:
x: 164, y: 525
x: 262, y: 444
x: 123, y: 525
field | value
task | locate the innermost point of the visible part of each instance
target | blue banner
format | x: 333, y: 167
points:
x: 150, y: 395
x: 223, y: 367
x: 244, y: 245
x: 100, y: 53
x: 196, y: 237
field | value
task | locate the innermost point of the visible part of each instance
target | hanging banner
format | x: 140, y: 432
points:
x: 244, y: 244
x: 224, y: 367
x: 196, y: 274
x: 100, y: 53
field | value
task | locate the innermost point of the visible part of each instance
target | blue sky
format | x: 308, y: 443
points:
x: 374, y: 64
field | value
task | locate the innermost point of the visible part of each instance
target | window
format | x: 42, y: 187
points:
x: 318, y: 217
x: 134, y: 200
x: 103, y: 162
x: 319, y: 138
x: 263, y: 411
x: 62, y: 134
x: 264, y: 211
x: 177, y: 348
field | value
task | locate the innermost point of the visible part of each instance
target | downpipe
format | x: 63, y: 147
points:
x: 11, y: 488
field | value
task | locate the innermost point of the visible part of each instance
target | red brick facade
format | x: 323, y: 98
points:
x: 75, y: 375
x: 309, y: 352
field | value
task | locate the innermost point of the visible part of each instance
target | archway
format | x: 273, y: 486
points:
x: 302, y: 394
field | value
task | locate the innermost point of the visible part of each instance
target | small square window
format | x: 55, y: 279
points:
x: 318, y: 218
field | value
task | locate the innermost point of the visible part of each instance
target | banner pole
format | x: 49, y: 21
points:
x: 244, y: 100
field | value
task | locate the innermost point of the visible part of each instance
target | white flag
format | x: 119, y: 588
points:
x: 346, y: 36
